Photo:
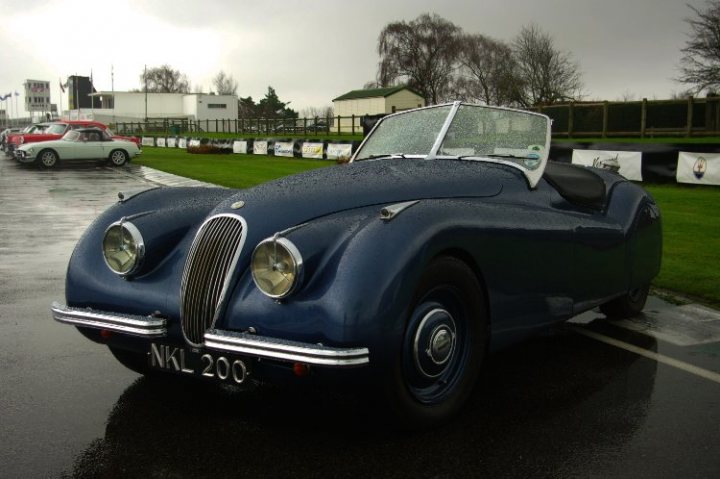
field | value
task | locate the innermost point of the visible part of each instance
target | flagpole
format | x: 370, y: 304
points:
x: 92, y: 97
x: 112, y: 87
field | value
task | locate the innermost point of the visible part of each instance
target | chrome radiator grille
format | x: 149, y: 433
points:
x: 210, y: 263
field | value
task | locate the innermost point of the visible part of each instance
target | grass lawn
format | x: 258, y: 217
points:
x: 691, y: 240
x: 234, y: 171
x: 691, y: 218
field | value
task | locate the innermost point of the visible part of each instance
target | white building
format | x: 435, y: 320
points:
x: 375, y: 101
x: 122, y: 106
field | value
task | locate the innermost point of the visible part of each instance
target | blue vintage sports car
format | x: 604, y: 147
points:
x: 447, y: 234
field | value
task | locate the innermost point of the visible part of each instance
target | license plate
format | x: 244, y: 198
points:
x: 199, y: 363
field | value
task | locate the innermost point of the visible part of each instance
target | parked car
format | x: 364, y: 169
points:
x: 55, y: 131
x: 5, y: 133
x: 318, y: 126
x: 80, y: 144
x: 30, y: 129
x: 447, y: 234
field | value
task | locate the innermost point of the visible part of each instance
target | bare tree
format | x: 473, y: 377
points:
x: 700, y: 64
x: 164, y: 79
x: 225, y: 84
x: 488, y: 72
x: 422, y: 53
x: 315, y: 112
x: 550, y: 75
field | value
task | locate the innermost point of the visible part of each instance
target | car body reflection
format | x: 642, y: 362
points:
x: 554, y: 405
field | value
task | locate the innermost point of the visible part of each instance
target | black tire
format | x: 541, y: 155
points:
x: 118, y: 157
x: 47, y: 159
x: 628, y: 305
x: 443, y: 347
x: 132, y: 360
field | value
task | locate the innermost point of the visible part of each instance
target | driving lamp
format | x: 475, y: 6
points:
x: 276, y: 267
x: 123, y: 248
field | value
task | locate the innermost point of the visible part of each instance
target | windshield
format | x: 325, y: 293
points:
x: 56, y: 129
x: 516, y: 138
x: 406, y: 134
x: 71, y: 135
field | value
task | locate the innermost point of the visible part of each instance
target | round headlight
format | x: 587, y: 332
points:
x: 276, y: 267
x: 123, y: 248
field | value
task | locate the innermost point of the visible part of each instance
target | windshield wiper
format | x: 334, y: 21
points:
x: 498, y: 155
x: 383, y: 155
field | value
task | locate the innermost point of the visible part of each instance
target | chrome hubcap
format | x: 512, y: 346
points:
x: 434, y: 343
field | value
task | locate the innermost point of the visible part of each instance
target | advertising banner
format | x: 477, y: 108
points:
x: 339, y: 150
x: 240, y: 146
x: 284, y: 148
x: 312, y: 150
x: 148, y: 141
x: 629, y: 163
x: 193, y: 143
x: 260, y: 147
x: 171, y: 142
x: 698, y: 168
x: 160, y: 142
x: 182, y: 143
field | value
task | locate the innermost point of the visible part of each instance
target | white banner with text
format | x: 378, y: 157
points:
x: 240, y: 146
x: 284, y: 148
x: 260, y: 148
x: 628, y: 162
x: 698, y: 168
x: 339, y: 150
x: 312, y: 150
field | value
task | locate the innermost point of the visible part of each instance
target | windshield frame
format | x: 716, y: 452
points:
x: 532, y: 175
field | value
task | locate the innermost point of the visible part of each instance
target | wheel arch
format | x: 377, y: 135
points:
x: 464, y: 256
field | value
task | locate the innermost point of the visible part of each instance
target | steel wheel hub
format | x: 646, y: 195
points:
x: 434, y: 343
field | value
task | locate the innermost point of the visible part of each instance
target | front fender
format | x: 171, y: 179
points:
x: 164, y: 216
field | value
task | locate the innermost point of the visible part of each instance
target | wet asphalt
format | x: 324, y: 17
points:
x: 565, y: 404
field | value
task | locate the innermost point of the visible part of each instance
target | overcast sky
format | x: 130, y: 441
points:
x: 313, y: 51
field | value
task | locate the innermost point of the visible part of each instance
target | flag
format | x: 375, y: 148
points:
x: 17, y: 94
x: 5, y: 97
x: 62, y: 87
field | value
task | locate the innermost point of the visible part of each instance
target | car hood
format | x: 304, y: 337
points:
x: 300, y: 198
x: 42, y: 144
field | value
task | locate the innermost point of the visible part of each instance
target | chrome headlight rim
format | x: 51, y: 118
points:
x: 139, y: 247
x: 294, y: 253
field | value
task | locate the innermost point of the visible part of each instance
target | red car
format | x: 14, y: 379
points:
x: 56, y: 130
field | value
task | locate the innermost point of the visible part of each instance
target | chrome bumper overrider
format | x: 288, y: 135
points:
x: 145, y: 326
x: 229, y: 341
x: 264, y: 347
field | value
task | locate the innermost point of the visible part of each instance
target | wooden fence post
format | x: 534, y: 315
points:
x: 605, y: 119
x: 643, y: 118
x: 571, y: 118
x: 689, y: 116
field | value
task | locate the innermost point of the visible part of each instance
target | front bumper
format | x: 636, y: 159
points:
x: 23, y: 157
x: 227, y: 341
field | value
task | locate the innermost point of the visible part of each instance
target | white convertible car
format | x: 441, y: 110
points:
x: 81, y: 144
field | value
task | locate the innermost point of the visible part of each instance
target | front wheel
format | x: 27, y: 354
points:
x: 48, y: 159
x: 628, y: 305
x: 443, y: 347
x: 118, y: 157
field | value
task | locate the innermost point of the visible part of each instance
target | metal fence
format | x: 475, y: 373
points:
x: 644, y: 118
x: 337, y: 125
